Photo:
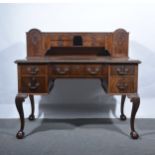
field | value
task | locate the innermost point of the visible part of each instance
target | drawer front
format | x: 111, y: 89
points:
x: 122, y: 69
x: 94, y: 70
x: 78, y: 70
x: 60, y: 70
x: 30, y: 69
x: 33, y: 85
x: 122, y: 85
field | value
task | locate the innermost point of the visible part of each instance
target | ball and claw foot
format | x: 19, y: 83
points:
x: 31, y: 117
x: 122, y: 117
x: 20, y: 134
x: 134, y: 135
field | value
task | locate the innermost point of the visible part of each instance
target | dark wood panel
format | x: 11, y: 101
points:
x: 60, y: 70
x: 78, y: 70
x: 116, y: 43
x: 33, y: 69
x: 122, y: 85
x: 122, y: 69
x: 34, y: 43
x: 33, y: 85
x: 120, y: 43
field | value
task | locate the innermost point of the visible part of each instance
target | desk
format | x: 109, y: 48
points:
x: 63, y: 58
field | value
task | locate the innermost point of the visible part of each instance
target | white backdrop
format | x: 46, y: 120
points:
x: 137, y: 18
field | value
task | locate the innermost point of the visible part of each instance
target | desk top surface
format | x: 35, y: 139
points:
x: 76, y: 59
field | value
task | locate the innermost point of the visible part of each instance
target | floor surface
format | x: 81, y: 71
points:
x: 83, y: 136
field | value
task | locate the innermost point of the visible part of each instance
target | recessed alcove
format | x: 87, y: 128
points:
x: 77, y: 50
x: 77, y: 41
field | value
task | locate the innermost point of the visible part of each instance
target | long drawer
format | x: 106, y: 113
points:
x: 78, y: 70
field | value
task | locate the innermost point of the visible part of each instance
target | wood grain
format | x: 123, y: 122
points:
x: 116, y: 43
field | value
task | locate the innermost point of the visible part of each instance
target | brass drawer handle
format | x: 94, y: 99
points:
x: 33, y: 70
x: 33, y: 84
x: 62, y: 70
x: 93, y: 71
x: 122, y: 86
x: 122, y: 71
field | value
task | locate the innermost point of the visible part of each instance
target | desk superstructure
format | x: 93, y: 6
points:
x: 52, y: 55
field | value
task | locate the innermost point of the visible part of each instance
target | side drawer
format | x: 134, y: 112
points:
x: 33, y: 69
x: 31, y: 84
x: 122, y: 85
x: 123, y: 69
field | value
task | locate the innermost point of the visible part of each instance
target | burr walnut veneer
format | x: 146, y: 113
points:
x: 102, y: 56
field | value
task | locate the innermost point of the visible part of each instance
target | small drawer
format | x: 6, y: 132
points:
x: 60, y: 69
x: 33, y: 85
x: 122, y: 85
x: 122, y: 69
x: 33, y: 69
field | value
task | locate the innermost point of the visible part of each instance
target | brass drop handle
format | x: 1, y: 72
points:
x: 33, y: 84
x: 122, y: 86
x: 33, y: 70
x: 122, y: 71
x: 93, y: 71
x: 62, y: 70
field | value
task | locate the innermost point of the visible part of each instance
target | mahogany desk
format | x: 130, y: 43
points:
x: 102, y: 56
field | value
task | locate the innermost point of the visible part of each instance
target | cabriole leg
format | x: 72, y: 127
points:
x: 32, y: 117
x: 122, y: 116
x: 135, y: 105
x: 20, y: 98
